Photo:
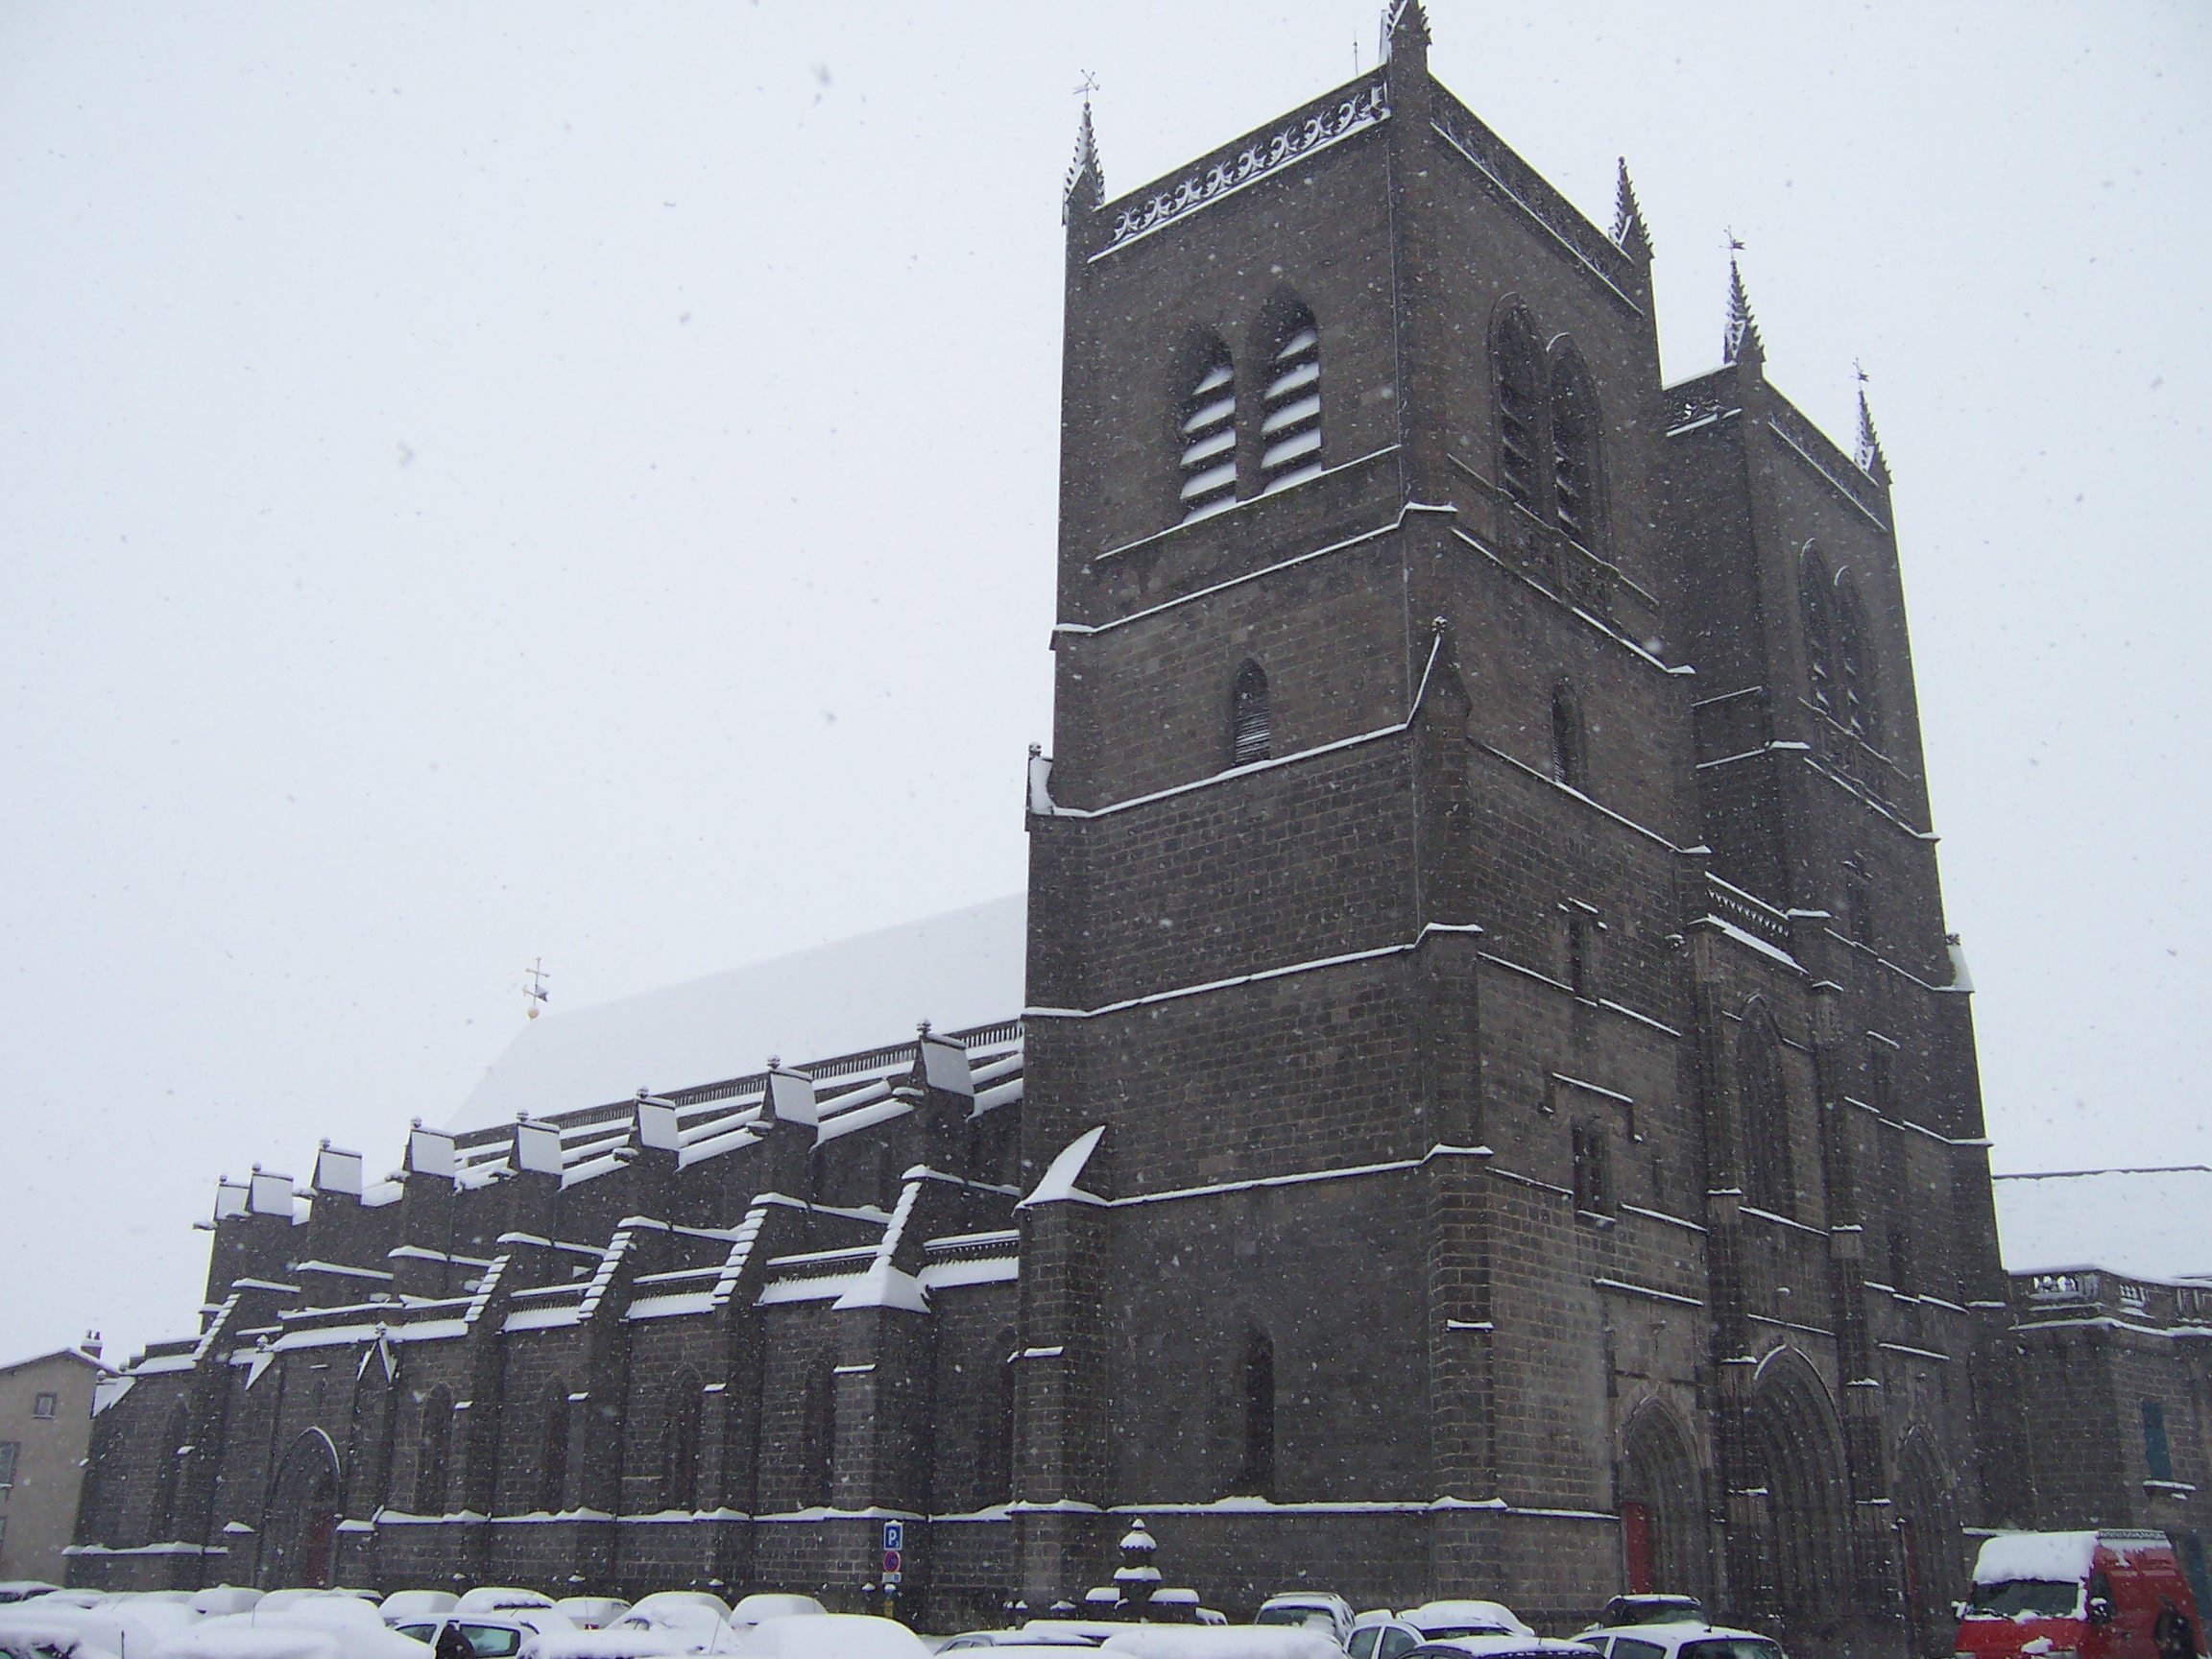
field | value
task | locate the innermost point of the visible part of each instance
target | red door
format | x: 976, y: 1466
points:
x: 315, y: 1549
x: 1636, y: 1541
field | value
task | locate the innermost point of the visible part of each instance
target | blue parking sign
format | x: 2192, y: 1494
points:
x: 894, y: 1534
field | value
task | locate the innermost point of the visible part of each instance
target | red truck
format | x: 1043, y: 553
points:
x: 2106, y: 1595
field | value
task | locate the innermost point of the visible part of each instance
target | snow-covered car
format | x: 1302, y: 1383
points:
x: 14, y: 1590
x: 221, y: 1598
x: 1443, y: 1621
x: 1021, y: 1638
x: 590, y: 1612
x: 44, y: 1629
x: 1222, y: 1642
x: 667, y: 1622
x: 1312, y: 1609
x: 501, y: 1599
x: 1383, y: 1635
x: 831, y: 1636
x: 1503, y: 1646
x: 1624, y: 1611
x: 770, y: 1605
x: 417, y: 1606
x: 490, y: 1635
x: 1691, y: 1639
x: 283, y: 1600
x: 1090, y: 1630
x: 315, y: 1627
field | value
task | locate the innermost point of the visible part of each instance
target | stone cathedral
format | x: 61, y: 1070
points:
x: 1491, y: 1108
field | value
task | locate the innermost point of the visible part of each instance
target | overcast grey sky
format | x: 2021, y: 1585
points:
x: 483, y: 482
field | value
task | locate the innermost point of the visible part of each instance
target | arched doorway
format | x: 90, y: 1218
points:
x: 1797, y: 1457
x: 1930, y: 1547
x: 1662, y: 1528
x: 301, y: 1522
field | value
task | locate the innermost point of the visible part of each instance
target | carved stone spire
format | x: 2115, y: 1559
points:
x: 1405, y: 27
x: 1740, y: 342
x: 1869, y: 457
x: 1077, y: 193
x: 1629, y: 233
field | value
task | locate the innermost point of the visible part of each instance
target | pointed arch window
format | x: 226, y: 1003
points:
x: 1813, y: 587
x: 1290, y: 407
x: 1762, y: 1094
x: 818, y: 1436
x: 680, y: 1446
x: 1255, y: 1479
x: 1857, y: 705
x: 434, y: 1452
x: 1574, y: 426
x: 1517, y: 362
x: 175, y: 1446
x: 1207, y: 427
x: 995, y: 1473
x: 1251, y: 729
x: 553, y: 1450
x: 1569, y: 759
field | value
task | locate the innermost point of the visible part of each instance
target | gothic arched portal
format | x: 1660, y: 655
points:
x: 302, y: 1522
x: 1930, y: 1545
x: 1662, y: 1526
x: 1797, y: 1457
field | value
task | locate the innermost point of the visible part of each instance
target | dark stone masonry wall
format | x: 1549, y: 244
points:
x: 1510, y: 1129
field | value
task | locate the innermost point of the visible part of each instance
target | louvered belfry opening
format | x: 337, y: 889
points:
x: 1208, y: 426
x: 1249, y: 732
x: 1518, y: 360
x: 1290, y: 414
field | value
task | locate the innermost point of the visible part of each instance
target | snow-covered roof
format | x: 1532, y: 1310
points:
x: 958, y: 969
x: 2146, y: 1223
x: 77, y: 1354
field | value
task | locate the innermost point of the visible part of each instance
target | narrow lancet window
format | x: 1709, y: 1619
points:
x: 1820, y: 633
x: 1250, y: 732
x: 1290, y: 412
x: 1208, y: 428
x: 1256, y: 1478
x: 553, y: 1453
x: 818, y: 1436
x: 433, y: 1451
x: 1569, y: 762
x: 680, y: 1469
x: 1573, y: 449
x: 1762, y: 1095
x: 1857, y: 705
x: 1517, y: 359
